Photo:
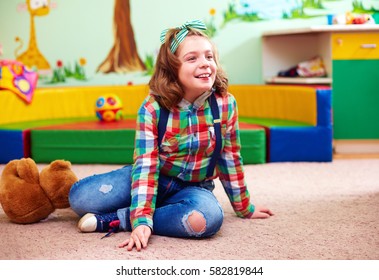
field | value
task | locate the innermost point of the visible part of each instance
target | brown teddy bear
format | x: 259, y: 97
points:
x: 27, y: 196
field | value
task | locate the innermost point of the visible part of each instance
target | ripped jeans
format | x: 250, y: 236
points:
x: 177, y: 203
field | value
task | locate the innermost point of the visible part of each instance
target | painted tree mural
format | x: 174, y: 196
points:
x: 123, y: 56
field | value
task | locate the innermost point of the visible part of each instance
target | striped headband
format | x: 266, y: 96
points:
x: 184, y: 29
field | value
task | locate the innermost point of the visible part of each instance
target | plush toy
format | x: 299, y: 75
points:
x: 28, y: 196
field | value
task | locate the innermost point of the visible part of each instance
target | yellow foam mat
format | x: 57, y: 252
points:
x: 67, y: 102
x: 295, y: 103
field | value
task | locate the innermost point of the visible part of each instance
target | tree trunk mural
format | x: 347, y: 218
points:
x: 123, y: 57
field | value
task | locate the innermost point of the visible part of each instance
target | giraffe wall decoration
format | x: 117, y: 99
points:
x: 32, y: 57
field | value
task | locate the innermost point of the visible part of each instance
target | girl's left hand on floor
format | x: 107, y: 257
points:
x: 262, y: 213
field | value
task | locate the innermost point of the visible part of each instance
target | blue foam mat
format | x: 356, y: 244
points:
x: 11, y: 145
x: 301, y: 144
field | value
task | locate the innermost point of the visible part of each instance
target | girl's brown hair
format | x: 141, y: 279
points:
x: 164, y: 81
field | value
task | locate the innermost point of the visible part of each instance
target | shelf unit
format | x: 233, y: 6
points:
x: 283, y: 49
x: 351, y: 57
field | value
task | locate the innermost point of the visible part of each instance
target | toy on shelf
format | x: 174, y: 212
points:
x: 353, y: 18
x: 109, y: 108
x: 313, y: 67
x: 16, y: 77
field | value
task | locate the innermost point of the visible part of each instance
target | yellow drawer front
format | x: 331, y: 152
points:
x: 355, y: 45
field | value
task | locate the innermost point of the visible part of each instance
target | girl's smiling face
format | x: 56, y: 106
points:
x: 198, y: 68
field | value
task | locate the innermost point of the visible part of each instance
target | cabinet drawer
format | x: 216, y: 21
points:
x: 355, y: 45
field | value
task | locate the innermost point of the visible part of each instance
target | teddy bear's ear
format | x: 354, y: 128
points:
x: 60, y: 165
x: 56, y: 180
x: 26, y: 169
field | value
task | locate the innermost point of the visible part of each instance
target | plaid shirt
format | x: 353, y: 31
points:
x: 186, y: 150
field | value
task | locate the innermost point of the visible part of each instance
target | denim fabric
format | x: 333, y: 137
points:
x: 102, y: 193
x: 176, y: 201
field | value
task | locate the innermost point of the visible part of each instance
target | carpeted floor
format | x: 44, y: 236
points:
x: 322, y: 211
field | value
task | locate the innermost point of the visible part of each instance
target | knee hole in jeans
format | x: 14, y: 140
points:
x: 194, y: 223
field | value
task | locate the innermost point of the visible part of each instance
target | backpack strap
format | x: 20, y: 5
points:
x: 162, y: 124
x: 217, y: 127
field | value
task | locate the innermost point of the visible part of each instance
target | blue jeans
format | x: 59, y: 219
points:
x: 176, y: 201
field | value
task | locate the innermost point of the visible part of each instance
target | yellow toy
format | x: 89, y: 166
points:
x: 27, y: 196
x: 109, y: 108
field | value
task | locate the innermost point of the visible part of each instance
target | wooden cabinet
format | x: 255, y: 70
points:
x: 351, y: 57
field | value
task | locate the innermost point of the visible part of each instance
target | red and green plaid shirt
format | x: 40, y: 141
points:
x: 186, y: 150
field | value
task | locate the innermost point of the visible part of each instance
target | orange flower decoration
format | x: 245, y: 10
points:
x: 212, y: 12
x: 82, y: 61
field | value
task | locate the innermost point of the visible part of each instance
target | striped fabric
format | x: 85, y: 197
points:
x: 196, y: 24
x: 185, y: 153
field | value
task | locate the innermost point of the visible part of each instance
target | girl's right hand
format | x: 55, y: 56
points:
x: 138, y: 238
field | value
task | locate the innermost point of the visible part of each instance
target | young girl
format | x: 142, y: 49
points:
x: 187, y: 135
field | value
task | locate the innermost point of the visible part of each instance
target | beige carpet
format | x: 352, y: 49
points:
x: 322, y: 211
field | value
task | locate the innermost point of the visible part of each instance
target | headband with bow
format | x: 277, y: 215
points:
x: 184, y: 29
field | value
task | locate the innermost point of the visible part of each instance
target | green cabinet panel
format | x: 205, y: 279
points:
x: 356, y: 99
